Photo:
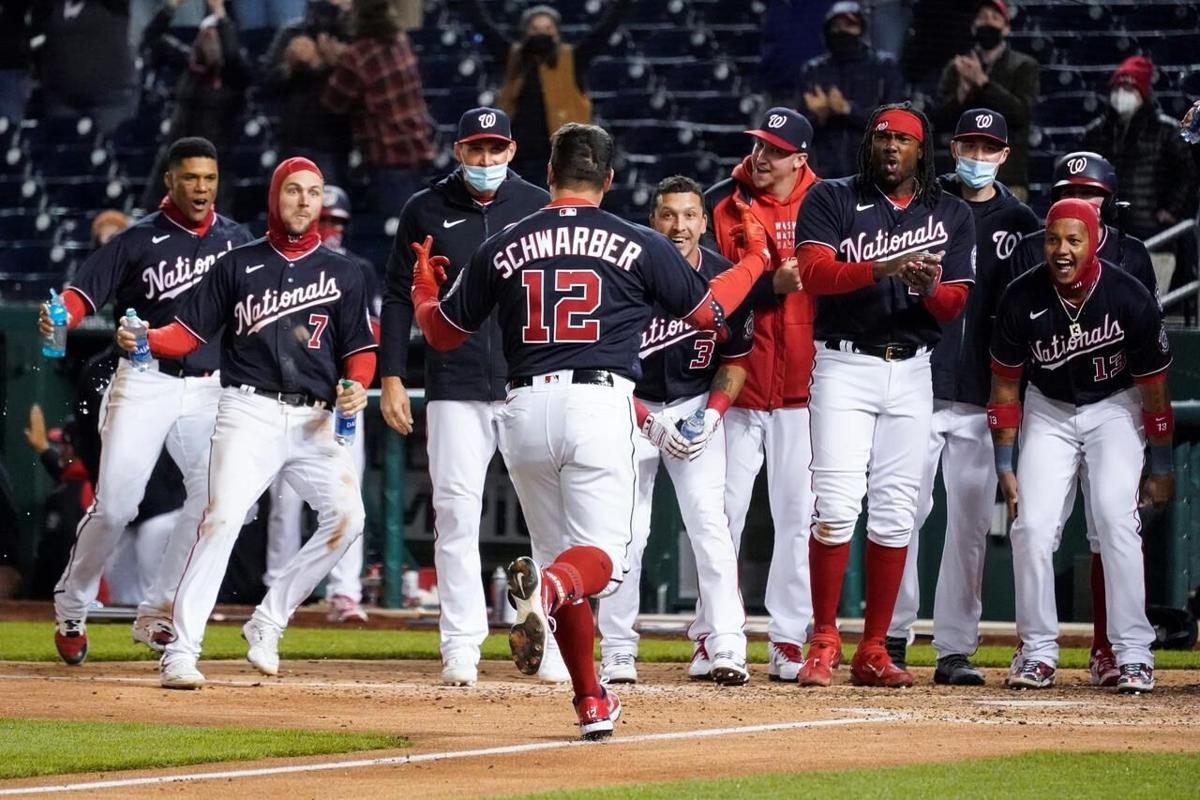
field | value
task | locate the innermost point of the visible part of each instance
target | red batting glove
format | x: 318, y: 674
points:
x: 752, y: 236
x: 428, y: 273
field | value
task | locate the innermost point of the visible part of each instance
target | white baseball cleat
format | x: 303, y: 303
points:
x: 700, y: 667
x: 459, y: 671
x: 783, y: 661
x: 154, y: 632
x: 181, y: 674
x: 729, y: 669
x: 618, y: 668
x: 1135, y: 679
x: 264, y: 646
x: 1033, y: 674
x: 553, y: 668
x: 528, y: 636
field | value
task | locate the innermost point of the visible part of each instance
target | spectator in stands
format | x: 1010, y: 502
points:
x: 543, y: 87
x: 993, y: 75
x: 86, y: 63
x: 938, y: 31
x: 889, y: 24
x: 791, y: 35
x: 377, y: 84
x: 295, y: 75
x: 273, y: 14
x: 1154, y: 168
x: 842, y: 87
x: 15, y: 77
x: 210, y: 93
x: 107, y: 224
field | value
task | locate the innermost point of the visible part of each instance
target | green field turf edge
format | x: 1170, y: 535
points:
x: 34, y: 641
x: 35, y: 747
x: 1041, y: 774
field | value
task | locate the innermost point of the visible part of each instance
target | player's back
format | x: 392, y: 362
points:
x: 574, y: 286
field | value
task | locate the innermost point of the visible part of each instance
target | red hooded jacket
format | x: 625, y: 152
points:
x: 779, y: 365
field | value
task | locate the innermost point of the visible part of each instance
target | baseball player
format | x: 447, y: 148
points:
x: 343, y: 591
x: 769, y: 420
x: 150, y: 267
x: 1090, y: 339
x: 295, y: 320
x: 574, y: 287
x: 1088, y: 176
x: 683, y: 370
x: 889, y: 256
x: 959, y: 438
x: 464, y: 389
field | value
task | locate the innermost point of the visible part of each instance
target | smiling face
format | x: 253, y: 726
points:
x: 192, y: 186
x: 895, y: 157
x: 1067, y: 248
x: 772, y: 166
x: 680, y: 217
x: 300, y: 200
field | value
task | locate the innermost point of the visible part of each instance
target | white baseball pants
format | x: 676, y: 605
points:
x: 139, y: 413
x: 570, y: 451
x: 256, y: 439
x: 284, y: 532
x: 781, y: 437
x: 462, y: 437
x: 869, y: 417
x: 1056, y: 440
x: 960, y: 440
x: 700, y: 490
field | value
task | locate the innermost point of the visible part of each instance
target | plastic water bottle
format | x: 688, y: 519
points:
x: 140, y: 356
x: 344, y: 425
x: 55, y: 345
x: 693, y: 426
x: 1191, y: 133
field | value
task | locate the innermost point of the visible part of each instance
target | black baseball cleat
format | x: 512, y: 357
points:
x: 956, y: 670
x: 897, y: 650
x: 527, y: 637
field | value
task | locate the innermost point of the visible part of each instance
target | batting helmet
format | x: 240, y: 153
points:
x: 336, y: 203
x: 1084, y: 168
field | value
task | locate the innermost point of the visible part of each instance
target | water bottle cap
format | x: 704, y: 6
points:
x: 346, y: 383
x: 53, y: 294
x: 131, y: 313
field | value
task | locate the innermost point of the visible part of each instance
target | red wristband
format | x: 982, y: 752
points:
x: 1159, y: 423
x: 1004, y: 415
x: 719, y: 401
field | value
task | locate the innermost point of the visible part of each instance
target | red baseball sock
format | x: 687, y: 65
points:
x: 884, y: 570
x: 578, y: 572
x: 827, y: 568
x: 1099, y: 610
x: 575, y: 632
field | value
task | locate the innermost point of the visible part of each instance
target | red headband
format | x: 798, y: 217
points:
x: 901, y: 121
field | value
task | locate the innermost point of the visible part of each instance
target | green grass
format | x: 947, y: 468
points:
x: 34, y: 641
x: 1062, y: 776
x: 54, y: 747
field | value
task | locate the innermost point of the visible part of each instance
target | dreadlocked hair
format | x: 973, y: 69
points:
x: 927, y: 188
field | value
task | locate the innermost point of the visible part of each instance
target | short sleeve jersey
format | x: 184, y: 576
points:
x: 288, y: 323
x: 1081, y: 355
x: 866, y: 226
x: 573, y: 287
x: 678, y: 360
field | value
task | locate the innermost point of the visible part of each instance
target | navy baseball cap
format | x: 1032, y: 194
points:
x: 786, y: 129
x: 983, y: 122
x: 483, y: 123
x: 336, y: 203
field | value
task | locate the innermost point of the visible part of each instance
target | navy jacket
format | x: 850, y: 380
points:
x: 448, y: 212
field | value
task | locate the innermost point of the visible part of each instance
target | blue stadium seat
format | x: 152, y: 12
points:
x: 674, y: 43
x: 143, y: 131
x: 1065, y: 17
x: 250, y: 197
x: 1096, y: 49
x: 634, y: 105
x: 1063, y: 109
x: 728, y: 12
x: 23, y: 225
x: 1167, y: 49
x: 610, y: 73
x: 26, y: 257
x: 713, y: 108
x: 71, y: 160
x: 689, y: 77
x: 136, y: 161
x: 84, y: 194
x: 19, y: 192
x: 55, y: 131
x: 660, y: 13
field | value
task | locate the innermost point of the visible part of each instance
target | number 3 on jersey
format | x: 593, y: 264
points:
x: 570, y: 322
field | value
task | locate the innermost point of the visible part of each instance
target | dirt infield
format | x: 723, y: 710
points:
x: 814, y: 729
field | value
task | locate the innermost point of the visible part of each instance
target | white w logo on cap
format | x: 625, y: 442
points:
x: 487, y: 120
x: 984, y: 120
x: 776, y: 121
x: 1076, y: 165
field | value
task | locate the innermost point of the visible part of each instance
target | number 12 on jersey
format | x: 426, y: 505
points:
x: 569, y: 321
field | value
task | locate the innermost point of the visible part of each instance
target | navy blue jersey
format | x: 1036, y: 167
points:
x: 867, y: 226
x: 288, y: 324
x: 573, y: 287
x: 1081, y: 355
x: 151, y: 266
x: 678, y: 360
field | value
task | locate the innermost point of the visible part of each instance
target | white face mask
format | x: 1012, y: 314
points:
x: 1125, y: 101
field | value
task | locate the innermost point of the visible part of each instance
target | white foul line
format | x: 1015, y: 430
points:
x: 445, y: 756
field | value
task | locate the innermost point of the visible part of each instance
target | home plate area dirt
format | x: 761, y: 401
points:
x: 511, y: 735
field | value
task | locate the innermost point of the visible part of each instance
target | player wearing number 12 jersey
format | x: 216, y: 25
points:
x: 573, y: 287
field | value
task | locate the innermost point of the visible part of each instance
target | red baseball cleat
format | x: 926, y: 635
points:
x: 824, y: 656
x: 597, y: 715
x: 1102, y: 667
x: 70, y: 639
x: 872, y: 666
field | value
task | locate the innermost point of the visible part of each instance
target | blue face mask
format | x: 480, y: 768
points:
x: 976, y: 174
x: 485, y: 179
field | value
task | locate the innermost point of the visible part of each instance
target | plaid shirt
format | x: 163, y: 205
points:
x: 380, y: 83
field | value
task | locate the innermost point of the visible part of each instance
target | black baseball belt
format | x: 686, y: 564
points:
x: 591, y: 377
x: 297, y: 399
x: 887, y: 352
